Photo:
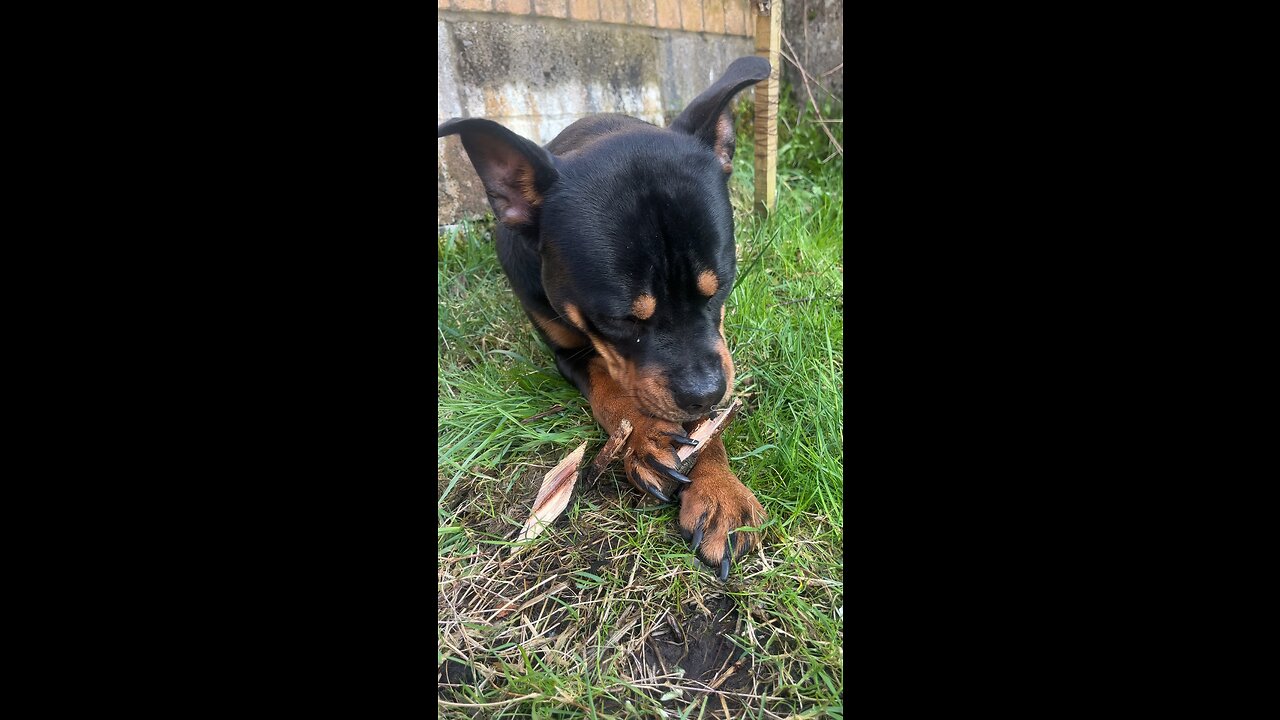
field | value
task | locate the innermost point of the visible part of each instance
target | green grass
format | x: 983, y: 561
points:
x: 584, y: 621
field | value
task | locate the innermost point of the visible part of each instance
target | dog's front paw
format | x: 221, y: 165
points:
x: 712, y: 507
x: 651, y: 460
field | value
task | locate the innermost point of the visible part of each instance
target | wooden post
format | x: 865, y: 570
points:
x: 768, y: 35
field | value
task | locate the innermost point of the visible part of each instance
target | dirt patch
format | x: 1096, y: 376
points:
x: 699, y: 644
x: 455, y: 672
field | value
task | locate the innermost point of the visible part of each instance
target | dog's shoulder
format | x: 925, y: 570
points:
x: 582, y: 132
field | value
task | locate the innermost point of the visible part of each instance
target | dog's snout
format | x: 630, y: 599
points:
x: 696, y: 392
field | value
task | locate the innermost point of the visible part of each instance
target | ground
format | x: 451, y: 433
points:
x: 608, y: 614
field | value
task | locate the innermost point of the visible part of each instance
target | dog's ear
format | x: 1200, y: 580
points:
x: 515, y: 172
x: 709, y: 117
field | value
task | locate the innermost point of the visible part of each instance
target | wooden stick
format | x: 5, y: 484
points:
x: 703, y: 433
x: 768, y: 32
x: 608, y: 453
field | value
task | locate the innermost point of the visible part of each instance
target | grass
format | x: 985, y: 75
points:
x: 608, y: 614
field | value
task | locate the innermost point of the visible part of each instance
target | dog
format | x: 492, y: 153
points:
x: 617, y: 239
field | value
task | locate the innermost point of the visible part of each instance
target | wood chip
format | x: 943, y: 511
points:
x: 608, y: 453
x: 553, y: 497
x: 703, y: 433
x: 559, y: 482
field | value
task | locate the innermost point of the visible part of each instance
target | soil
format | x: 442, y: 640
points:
x: 706, y: 652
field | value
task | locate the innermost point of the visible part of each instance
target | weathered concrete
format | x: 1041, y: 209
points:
x: 691, y: 62
x: 815, y: 29
x: 457, y: 188
x: 537, y: 75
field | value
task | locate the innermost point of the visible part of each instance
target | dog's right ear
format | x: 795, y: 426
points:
x: 516, y: 173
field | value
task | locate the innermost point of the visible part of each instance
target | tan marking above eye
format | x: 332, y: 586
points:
x: 575, y: 316
x: 644, y: 306
x: 559, y: 334
x: 707, y: 283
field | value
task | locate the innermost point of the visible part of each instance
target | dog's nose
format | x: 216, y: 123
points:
x: 698, y: 392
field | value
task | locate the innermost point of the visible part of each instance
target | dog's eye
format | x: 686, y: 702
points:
x: 621, y: 326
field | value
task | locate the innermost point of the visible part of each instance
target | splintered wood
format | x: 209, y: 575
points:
x: 559, y: 482
x: 553, y: 497
x: 609, y: 452
x: 703, y: 432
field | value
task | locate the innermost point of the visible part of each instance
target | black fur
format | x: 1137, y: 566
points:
x: 614, y: 208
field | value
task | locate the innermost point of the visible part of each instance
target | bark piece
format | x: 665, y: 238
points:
x: 703, y: 432
x: 608, y: 453
x: 553, y: 497
x: 559, y: 482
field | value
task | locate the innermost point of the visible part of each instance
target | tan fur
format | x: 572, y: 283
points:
x: 575, y: 316
x: 561, y: 335
x: 717, y: 493
x: 644, y: 306
x: 611, y: 402
x: 707, y: 283
x: 525, y: 181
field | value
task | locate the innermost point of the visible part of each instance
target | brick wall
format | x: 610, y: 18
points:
x: 536, y: 66
x: 722, y: 17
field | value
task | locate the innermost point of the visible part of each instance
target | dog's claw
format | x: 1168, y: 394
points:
x: 638, y: 482
x: 728, y: 554
x: 683, y: 440
x: 697, y: 534
x: 657, y: 493
x: 669, y: 472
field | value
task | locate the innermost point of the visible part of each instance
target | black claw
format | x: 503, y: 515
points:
x: 728, y: 553
x: 697, y: 533
x: 669, y: 472
x: 657, y: 493
x: 640, y: 483
x: 682, y: 440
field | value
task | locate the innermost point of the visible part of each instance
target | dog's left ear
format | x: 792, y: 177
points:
x: 515, y: 172
x: 709, y: 117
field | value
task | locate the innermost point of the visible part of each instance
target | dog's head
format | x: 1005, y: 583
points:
x: 635, y: 234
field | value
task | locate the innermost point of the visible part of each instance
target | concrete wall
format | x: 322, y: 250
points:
x: 815, y: 29
x: 537, y: 65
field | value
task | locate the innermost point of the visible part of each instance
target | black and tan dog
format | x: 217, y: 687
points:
x: 617, y: 238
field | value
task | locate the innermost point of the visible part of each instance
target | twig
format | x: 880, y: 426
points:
x: 792, y: 302
x: 831, y: 70
x: 607, y: 454
x: 554, y: 409
x: 703, y: 433
x: 797, y: 66
x: 804, y: 78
